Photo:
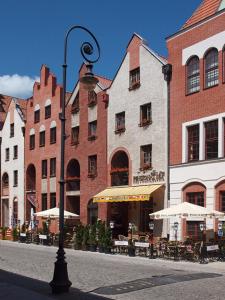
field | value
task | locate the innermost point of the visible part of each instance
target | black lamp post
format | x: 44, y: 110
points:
x: 151, y: 227
x: 175, y: 226
x: 202, y: 228
x: 61, y: 282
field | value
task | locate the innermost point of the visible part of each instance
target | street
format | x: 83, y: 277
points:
x: 102, y: 276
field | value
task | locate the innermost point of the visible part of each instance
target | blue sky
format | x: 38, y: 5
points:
x: 32, y: 33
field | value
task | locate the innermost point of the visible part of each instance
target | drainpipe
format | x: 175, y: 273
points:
x: 167, y: 71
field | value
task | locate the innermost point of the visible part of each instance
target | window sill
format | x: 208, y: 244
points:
x: 35, y: 122
x: 119, y: 131
x: 209, y: 87
x: 145, y: 123
x: 92, y: 103
x: 44, y: 177
x: 47, y: 117
x: 52, y: 142
x: 41, y: 145
x: 192, y: 93
x: 75, y: 110
x: 145, y: 168
x: 92, y: 137
x: 6, y: 160
x: 134, y: 86
x: 15, y: 157
x: 32, y: 148
x: 92, y: 175
x: 15, y: 185
x: 74, y: 143
x: 52, y: 176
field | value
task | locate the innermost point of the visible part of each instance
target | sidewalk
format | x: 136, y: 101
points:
x: 14, y: 287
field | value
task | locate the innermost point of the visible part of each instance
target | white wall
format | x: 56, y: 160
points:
x: 14, y: 164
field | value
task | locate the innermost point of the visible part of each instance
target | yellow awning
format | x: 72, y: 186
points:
x: 126, y: 194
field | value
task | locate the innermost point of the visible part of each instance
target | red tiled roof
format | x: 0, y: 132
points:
x: 206, y: 9
x: 5, y: 102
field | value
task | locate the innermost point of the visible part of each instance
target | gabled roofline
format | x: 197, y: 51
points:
x: 215, y: 15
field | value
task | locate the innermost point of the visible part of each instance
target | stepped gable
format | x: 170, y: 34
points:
x: 206, y: 9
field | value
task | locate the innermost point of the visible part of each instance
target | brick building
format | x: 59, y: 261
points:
x: 137, y: 140
x: 197, y: 164
x: 42, y: 145
x: 86, y: 150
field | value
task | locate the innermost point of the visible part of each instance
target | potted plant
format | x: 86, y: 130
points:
x: 85, y: 238
x: 15, y: 234
x: 92, y: 238
x: 78, y: 237
x: 107, y: 240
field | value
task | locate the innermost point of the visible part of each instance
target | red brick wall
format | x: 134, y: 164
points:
x: 204, y: 103
x: 88, y: 186
x: 47, y: 89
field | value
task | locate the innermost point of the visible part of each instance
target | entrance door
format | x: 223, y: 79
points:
x: 5, y: 212
x: 119, y: 214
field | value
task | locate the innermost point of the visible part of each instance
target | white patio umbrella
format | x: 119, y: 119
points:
x: 186, y: 210
x: 54, y: 213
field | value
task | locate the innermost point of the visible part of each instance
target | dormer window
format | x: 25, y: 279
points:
x: 134, y: 79
x: 75, y: 106
x: 92, y: 98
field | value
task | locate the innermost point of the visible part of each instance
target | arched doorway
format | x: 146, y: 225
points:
x: 92, y: 212
x: 120, y: 177
x: 5, y: 200
x: 195, y: 193
x: 31, y: 201
x: 73, y: 186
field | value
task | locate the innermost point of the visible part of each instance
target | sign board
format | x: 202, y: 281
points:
x: 141, y: 244
x: 42, y: 237
x: 121, y: 243
x: 212, y: 248
x: 22, y: 234
x: 220, y: 232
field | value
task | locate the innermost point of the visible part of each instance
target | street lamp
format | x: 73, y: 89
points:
x: 151, y: 227
x: 61, y: 283
x: 175, y: 226
x: 202, y: 228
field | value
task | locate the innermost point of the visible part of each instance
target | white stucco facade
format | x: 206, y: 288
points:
x: 153, y: 89
x: 15, y: 193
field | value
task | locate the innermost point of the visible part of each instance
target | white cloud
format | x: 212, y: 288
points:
x: 17, y: 86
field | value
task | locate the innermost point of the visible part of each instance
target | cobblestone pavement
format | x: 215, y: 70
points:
x: 117, y: 276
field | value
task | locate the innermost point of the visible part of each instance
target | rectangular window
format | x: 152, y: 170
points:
x: 44, y: 204
x: 53, y: 135
x: 15, y: 152
x: 7, y: 154
x: 12, y: 130
x: 134, y: 78
x: 211, y: 139
x: 75, y: 135
x: 92, y: 98
x: 52, y: 167
x: 42, y: 139
x: 92, y: 166
x: 52, y: 200
x: 222, y: 201
x: 15, y: 178
x: 37, y: 116
x: 193, y: 143
x: 92, y: 129
x: 195, y: 198
x: 47, y: 111
x: 44, y: 170
x: 120, y: 122
x: 145, y: 115
x: 32, y: 141
x: 146, y: 157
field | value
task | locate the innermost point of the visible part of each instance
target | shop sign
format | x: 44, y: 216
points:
x: 212, y: 248
x: 141, y: 244
x: 154, y: 176
x: 42, y: 237
x: 121, y: 243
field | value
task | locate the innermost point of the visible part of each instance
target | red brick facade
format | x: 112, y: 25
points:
x: 47, y: 89
x: 88, y: 186
x: 201, y: 104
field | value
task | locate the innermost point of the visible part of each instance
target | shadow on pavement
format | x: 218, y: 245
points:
x: 14, y: 286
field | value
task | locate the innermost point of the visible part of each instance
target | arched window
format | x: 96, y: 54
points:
x: 92, y: 212
x: 193, y: 75
x: 120, y: 169
x: 211, y: 68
